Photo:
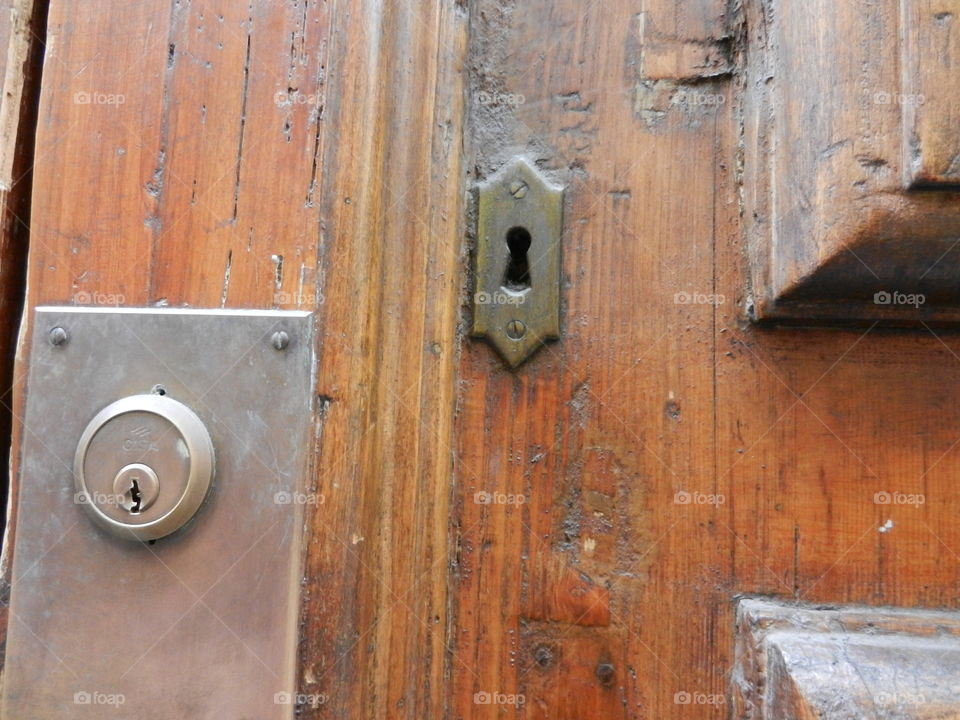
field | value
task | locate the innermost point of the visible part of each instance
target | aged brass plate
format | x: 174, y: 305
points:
x: 198, y: 624
x: 516, y: 302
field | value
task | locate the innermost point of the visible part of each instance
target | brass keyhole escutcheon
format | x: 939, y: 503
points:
x: 516, y: 305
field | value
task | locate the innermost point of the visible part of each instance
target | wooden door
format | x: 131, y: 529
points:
x: 726, y: 414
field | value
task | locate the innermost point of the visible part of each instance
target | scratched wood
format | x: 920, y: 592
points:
x: 568, y: 538
x: 22, y: 28
x: 219, y: 154
x: 603, y: 594
x: 376, y: 610
x: 846, y: 159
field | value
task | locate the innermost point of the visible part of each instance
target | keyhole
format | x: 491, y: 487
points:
x: 517, y: 276
x: 135, y: 496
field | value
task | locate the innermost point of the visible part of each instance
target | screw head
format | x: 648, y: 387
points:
x: 543, y: 655
x: 280, y: 340
x: 516, y: 330
x: 518, y: 188
x: 58, y: 336
x: 606, y: 673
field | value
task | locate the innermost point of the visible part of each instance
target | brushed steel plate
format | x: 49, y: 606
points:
x: 199, y: 624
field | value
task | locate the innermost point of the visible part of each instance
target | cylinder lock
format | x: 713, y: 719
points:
x: 143, y: 466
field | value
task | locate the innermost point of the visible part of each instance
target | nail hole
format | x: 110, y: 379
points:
x: 159, y: 390
x: 517, y: 276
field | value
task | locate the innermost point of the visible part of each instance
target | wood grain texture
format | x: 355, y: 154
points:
x: 798, y: 662
x: 931, y: 45
x: 607, y: 436
x: 838, y: 235
x: 569, y: 536
x: 376, y: 612
x: 183, y: 164
x: 22, y: 31
x: 662, y: 399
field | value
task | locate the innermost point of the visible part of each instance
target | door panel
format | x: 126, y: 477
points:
x: 796, y: 662
x: 189, y: 153
x: 848, y: 154
x: 561, y: 598
x: 568, y: 538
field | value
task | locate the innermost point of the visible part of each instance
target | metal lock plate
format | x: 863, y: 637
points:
x: 202, y: 622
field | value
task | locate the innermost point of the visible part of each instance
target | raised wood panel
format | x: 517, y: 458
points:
x: 797, y: 662
x: 931, y: 110
x: 838, y: 449
x: 836, y: 234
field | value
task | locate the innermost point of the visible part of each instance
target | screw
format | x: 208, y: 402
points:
x: 280, y: 340
x: 58, y: 336
x: 606, y: 674
x: 518, y: 188
x: 543, y: 655
x: 516, y: 330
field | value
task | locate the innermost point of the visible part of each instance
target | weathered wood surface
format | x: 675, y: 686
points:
x: 376, y: 616
x: 669, y: 455
x: 931, y: 113
x: 847, y: 663
x: 294, y: 155
x: 22, y: 30
x: 845, y: 153
x: 565, y: 598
